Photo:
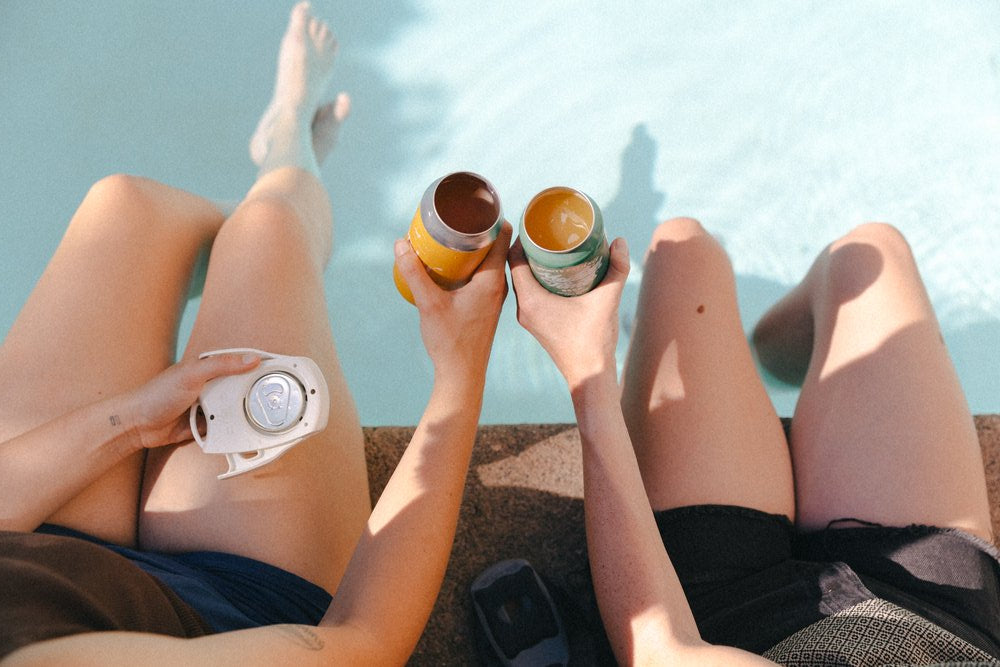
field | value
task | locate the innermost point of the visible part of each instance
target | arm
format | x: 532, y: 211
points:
x: 388, y: 591
x: 44, y: 468
x: 643, y: 606
x: 410, y: 532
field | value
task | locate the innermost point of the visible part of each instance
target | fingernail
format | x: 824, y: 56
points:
x: 400, y: 247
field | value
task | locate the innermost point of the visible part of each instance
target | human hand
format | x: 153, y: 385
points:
x: 457, y: 326
x: 579, y: 333
x: 158, y: 410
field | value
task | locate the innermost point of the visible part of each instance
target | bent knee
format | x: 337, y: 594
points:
x: 684, y: 243
x: 269, y: 221
x: 119, y: 206
x: 884, y: 236
x: 118, y: 190
x: 870, y: 252
x: 678, y: 229
x: 269, y: 209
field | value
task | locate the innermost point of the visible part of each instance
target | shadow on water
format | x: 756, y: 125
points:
x: 376, y: 332
x: 375, y: 140
x: 637, y: 203
x: 634, y: 213
x: 755, y: 296
x: 631, y: 213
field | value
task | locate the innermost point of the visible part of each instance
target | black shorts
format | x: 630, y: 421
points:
x: 752, y: 579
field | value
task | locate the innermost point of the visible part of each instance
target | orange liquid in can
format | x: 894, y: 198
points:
x: 558, y: 221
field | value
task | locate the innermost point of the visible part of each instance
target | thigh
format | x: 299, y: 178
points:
x: 702, y: 425
x: 101, y: 320
x: 305, y: 511
x: 882, y: 431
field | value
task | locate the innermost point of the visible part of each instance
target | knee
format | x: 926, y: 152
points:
x: 270, y: 222
x: 684, y: 242
x: 118, y: 190
x: 121, y: 204
x: 869, y: 252
x: 881, y: 235
x: 268, y: 211
x: 678, y: 230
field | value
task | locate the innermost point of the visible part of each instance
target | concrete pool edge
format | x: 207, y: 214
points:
x: 523, y: 499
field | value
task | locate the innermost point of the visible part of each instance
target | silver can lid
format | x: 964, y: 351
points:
x: 275, y: 402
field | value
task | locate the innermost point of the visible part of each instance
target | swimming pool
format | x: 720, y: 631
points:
x: 780, y: 125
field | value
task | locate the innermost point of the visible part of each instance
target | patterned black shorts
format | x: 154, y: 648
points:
x: 752, y: 579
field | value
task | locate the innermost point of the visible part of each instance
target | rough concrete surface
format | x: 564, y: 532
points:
x: 524, y: 499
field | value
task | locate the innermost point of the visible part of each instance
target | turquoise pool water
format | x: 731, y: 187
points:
x: 780, y: 125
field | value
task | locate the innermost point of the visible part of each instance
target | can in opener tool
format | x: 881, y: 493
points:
x: 255, y: 417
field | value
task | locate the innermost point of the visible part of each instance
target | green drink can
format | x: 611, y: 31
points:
x: 562, y: 233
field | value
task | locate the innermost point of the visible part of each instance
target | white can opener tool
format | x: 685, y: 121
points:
x: 255, y: 417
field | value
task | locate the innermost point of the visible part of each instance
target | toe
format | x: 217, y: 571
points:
x: 341, y: 107
x: 300, y: 13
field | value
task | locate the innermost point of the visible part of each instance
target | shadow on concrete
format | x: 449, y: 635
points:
x: 523, y: 499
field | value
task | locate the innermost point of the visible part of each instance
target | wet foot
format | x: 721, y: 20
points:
x: 305, y: 68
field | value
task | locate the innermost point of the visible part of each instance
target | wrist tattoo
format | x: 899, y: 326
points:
x: 115, y: 420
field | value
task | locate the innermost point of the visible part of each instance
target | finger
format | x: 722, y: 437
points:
x: 528, y: 292
x: 496, y: 258
x: 413, y: 271
x: 521, y: 276
x: 519, y: 269
x: 515, y: 256
x: 619, y: 258
x: 218, y: 365
x: 618, y: 264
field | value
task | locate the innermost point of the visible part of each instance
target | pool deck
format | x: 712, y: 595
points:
x: 524, y: 499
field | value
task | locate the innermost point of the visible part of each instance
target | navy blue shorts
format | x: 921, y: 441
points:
x: 752, y: 579
x: 229, y: 592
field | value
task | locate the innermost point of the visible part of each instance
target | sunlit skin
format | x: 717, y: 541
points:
x: 308, y: 512
x: 874, y: 370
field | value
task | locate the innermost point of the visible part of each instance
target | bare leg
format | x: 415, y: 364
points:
x: 882, y: 431
x: 703, y: 427
x: 101, y: 320
x: 264, y: 289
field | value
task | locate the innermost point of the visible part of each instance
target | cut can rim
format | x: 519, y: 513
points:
x: 449, y: 236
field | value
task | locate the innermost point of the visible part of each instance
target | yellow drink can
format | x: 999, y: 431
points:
x: 454, y: 227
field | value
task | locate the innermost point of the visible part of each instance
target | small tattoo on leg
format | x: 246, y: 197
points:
x: 115, y: 420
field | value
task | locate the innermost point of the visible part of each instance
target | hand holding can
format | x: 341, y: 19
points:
x: 454, y: 227
x: 562, y: 233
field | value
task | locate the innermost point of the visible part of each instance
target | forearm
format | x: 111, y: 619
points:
x: 44, y: 468
x: 384, y: 599
x: 640, y: 597
x: 395, y: 574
